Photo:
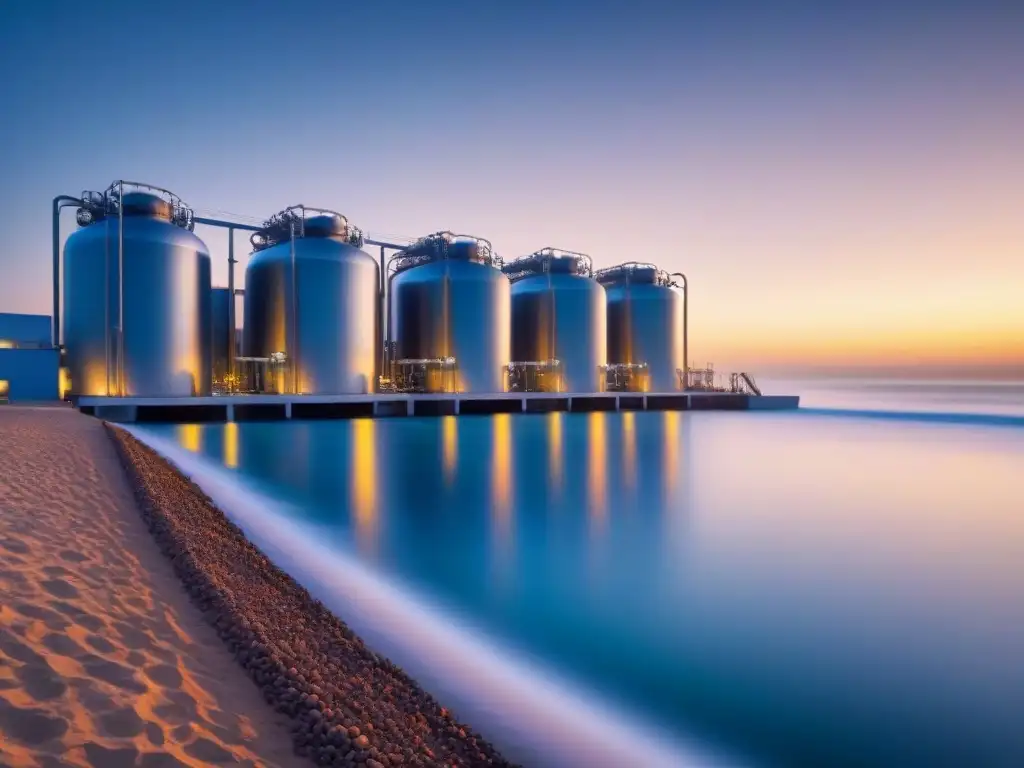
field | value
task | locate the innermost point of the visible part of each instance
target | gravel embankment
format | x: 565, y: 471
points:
x: 347, y: 705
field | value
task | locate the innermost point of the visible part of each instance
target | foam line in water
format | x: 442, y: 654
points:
x: 528, y: 713
x: 935, y: 417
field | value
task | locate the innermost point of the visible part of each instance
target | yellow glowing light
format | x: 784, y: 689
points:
x: 555, y: 457
x: 364, y: 482
x: 449, y: 447
x: 597, y: 492
x: 6, y: 344
x: 95, y: 378
x: 191, y: 437
x: 231, y: 445
x: 629, y: 448
x: 5, y: 387
x: 63, y: 382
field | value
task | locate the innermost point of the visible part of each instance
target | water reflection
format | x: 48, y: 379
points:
x: 555, y: 457
x: 231, y: 445
x: 597, y: 481
x: 363, y: 480
x: 449, y: 447
x: 629, y: 449
x: 810, y: 600
x: 190, y: 436
x: 501, y: 495
x: 671, y: 450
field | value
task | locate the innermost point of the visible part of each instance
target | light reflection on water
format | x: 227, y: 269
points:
x: 230, y: 445
x: 804, y: 590
x: 364, y: 483
x: 450, y: 446
x: 555, y: 460
x: 597, y: 492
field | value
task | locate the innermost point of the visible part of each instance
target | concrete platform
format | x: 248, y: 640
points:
x: 279, y: 407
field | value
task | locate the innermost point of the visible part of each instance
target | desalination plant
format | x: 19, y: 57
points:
x: 442, y: 316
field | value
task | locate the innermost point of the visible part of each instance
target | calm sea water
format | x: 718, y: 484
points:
x: 791, y: 588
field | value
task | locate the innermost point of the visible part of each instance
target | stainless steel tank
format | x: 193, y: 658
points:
x: 223, y: 337
x: 559, y: 313
x: 449, y: 299
x: 162, y: 347
x: 312, y: 294
x: 645, y: 322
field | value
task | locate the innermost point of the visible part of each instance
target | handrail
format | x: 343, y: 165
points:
x: 541, y: 262
x: 623, y: 273
x: 435, y: 247
x: 750, y: 383
x: 291, y: 223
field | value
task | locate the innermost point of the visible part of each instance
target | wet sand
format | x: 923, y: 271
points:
x: 347, y: 705
x: 104, y: 661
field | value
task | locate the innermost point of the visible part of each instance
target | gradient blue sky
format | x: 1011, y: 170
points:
x: 843, y: 183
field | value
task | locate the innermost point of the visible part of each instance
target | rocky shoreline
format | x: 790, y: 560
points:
x: 347, y: 706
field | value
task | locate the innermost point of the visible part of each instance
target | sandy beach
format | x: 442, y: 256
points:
x: 139, y: 627
x: 104, y: 661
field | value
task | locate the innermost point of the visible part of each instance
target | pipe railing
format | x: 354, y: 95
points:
x: 59, y: 202
x: 543, y: 261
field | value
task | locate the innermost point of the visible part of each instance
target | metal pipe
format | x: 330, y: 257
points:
x: 231, y: 303
x: 227, y: 224
x: 59, y: 202
x: 686, y: 358
x: 106, y: 302
x: 382, y: 244
x: 390, y: 278
x: 381, y: 309
x: 387, y: 337
x: 295, y: 317
x: 120, y: 290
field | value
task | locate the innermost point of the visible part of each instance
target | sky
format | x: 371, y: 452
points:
x: 842, y: 183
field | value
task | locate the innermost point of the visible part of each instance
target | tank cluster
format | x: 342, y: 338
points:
x: 141, y: 317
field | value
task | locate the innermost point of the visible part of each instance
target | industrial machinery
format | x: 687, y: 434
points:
x: 645, y: 322
x: 311, y: 295
x: 627, y: 377
x: 559, y: 315
x: 449, y: 303
x: 136, y: 295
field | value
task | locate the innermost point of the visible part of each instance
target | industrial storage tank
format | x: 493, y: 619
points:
x: 312, y: 295
x: 559, y: 314
x: 450, y: 301
x: 645, y: 322
x: 223, y: 343
x: 137, y: 325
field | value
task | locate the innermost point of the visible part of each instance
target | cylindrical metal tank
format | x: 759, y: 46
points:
x: 559, y: 313
x: 312, y: 294
x: 449, y: 299
x: 161, y: 288
x: 645, y: 321
x: 223, y: 337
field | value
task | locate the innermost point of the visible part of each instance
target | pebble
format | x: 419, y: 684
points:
x: 309, y: 664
